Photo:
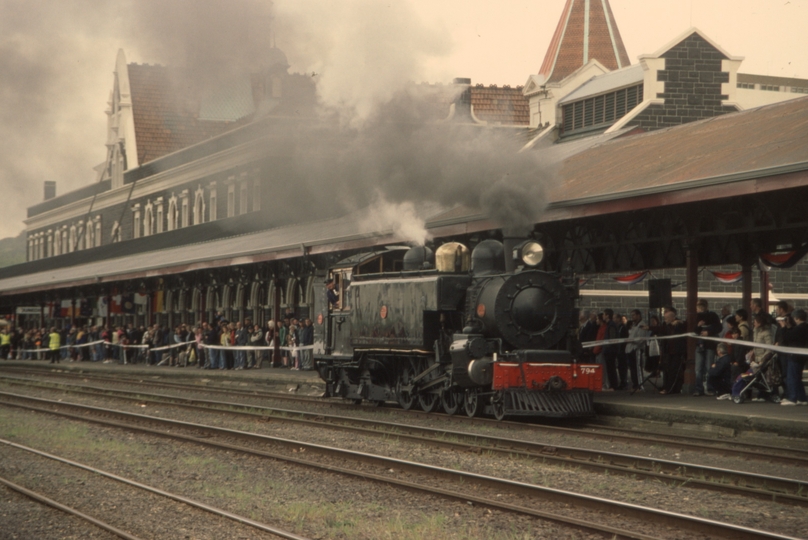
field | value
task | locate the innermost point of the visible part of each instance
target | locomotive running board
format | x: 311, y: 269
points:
x: 564, y: 404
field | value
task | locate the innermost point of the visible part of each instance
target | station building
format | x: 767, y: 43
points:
x: 189, y: 214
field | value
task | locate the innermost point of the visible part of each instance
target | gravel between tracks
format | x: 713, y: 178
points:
x: 781, y: 518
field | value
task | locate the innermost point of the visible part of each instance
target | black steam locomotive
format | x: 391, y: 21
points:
x: 476, y: 332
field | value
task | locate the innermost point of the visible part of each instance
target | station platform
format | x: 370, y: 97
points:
x: 680, y: 411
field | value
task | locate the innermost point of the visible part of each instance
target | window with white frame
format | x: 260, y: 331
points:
x: 136, y: 232
x: 185, y: 212
x: 98, y: 231
x: 256, y: 198
x: 148, y: 220
x: 242, y: 204
x: 172, y: 213
x: 199, y: 206
x: 213, y: 202
x: 231, y: 200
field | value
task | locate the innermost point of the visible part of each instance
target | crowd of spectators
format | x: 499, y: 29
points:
x: 220, y: 344
x: 718, y: 364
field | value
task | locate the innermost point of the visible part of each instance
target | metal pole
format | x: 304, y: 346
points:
x: 690, y: 307
x: 764, y: 290
x: 746, y: 287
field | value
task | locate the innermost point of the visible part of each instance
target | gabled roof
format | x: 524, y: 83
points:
x: 587, y: 30
x: 166, y: 115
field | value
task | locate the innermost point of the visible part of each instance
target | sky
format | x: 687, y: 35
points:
x: 57, y: 58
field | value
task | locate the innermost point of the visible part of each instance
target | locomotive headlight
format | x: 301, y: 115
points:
x: 531, y: 253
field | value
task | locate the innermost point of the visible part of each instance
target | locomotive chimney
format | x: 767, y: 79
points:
x: 511, y: 239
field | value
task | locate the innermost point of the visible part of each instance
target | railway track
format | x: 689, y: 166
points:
x: 404, y: 474
x: 678, y: 441
x: 263, y: 527
x: 764, y: 487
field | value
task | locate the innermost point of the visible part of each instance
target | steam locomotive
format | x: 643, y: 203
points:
x: 484, y: 332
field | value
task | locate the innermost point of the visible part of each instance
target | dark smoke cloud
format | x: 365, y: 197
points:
x: 377, y: 141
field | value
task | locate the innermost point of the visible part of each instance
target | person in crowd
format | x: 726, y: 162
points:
x: 225, y: 340
x: 269, y: 338
x: 674, y: 352
x: 15, y: 336
x: 742, y: 318
x: 54, y: 343
x: 291, y: 343
x: 783, y: 321
x: 242, y: 339
x: 5, y: 343
x: 707, y: 325
x: 762, y: 336
x: 255, y: 357
x: 720, y: 372
x: 795, y: 336
x: 610, y: 351
x: 307, y: 341
x: 622, y: 358
x: 212, y: 338
x: 726, y: 316
x: 589, y: 332
x: 636, y: 350
x: 738, y: 353
x: 283, y: 336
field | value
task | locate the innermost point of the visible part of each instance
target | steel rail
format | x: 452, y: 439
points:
x: 775, y: 489
x: 145, y: 487
x: 684, y: 442
x: 643, y: 514
x: 67, y: 509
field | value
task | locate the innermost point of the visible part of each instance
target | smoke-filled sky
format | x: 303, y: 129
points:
x: 57, y: 57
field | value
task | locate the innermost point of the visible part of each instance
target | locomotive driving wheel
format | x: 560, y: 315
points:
x: 472, y: 402
x: 452, y: 400
x: 429, y: 401
x: 498, y: 404
x: 405, y: 398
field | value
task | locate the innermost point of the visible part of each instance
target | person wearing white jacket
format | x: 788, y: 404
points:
x: 635, y: 350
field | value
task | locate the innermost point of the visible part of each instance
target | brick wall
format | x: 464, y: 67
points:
x: 693, y: 79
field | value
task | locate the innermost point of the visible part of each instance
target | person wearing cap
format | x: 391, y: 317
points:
x: 332, y: 293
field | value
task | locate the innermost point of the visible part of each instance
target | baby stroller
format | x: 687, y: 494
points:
x: 765, y: 379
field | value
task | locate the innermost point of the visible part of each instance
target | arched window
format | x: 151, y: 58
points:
x: 199, y: 207
x: 89, y: 241
x: 65, y: 241
x: 80, y: 236
x: 98, y: 231
x: 148, y: 221
x: 72, y: 244
x: 172, y: 214
x: 57, y: 243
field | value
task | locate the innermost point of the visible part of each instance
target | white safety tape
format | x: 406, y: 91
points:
x: 750, y: 344
x: 256, y: 348
x: 62, y: 347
